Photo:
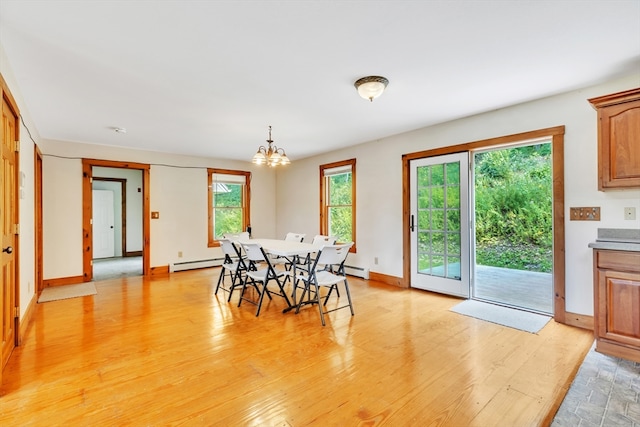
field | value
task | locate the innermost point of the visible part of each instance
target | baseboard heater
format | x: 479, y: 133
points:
x: 192, y: 265
x: 357, y: 271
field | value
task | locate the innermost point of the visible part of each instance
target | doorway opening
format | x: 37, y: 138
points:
x: 513, y: 258
x: 117, y: 222
x: 132, y: 236
x: 555, y: 136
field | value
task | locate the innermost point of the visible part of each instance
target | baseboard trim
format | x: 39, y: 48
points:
x: 160, y: 270
x: 386, y: 279
x: 25, y: 321
x: 61, y: 281
x: 134, y: 253
x: 579, y: 320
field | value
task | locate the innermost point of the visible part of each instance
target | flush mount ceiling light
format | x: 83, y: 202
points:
x: 271, y: 155
x: 371, y: 87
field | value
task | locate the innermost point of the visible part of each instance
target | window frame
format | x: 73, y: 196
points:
x: 246, y: 201
x: 324, y: 208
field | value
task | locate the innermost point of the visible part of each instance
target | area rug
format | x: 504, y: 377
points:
x: 510, y: 317
x: 55, y: 293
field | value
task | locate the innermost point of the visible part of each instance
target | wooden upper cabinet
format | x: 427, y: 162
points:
x: 618, y: 139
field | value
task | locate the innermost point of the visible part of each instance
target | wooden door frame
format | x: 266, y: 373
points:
x: 556, y: 134
x: 87, y: 212
x: 39, y: 258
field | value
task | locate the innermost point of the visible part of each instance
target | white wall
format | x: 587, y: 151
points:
x: 379, y: 182
x: 178, y: 191
x: 26, y: 199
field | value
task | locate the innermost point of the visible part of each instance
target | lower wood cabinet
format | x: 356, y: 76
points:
x: 617, y: 303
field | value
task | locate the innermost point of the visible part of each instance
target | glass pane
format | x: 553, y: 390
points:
x: 423, y: 219
x: 453, y: 268
x: 227, y: 220
x: 453, y: 173
x: 437, y: 243
x: 453, y: 197
x: 423, y: 176
x: 437, y: 220
x: 424, y: 264
x: 340, y: 223
x: 437, y: 175
x: 230, y: 198
x: 453, y: 243
x: 453, y: 220
x: 424, y: 242
x: 340, y: 189
x: 437, y: 197
x: 437, y: 266
x: 423, y: 198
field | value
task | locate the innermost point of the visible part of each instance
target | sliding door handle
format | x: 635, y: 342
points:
x: 412, y: 225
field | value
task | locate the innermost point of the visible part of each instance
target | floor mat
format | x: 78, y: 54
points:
x: 55, y: 293
x: 511, y: 317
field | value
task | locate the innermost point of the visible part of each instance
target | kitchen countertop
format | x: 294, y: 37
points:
x: 617, y: 239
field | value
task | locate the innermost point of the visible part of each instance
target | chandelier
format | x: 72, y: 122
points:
x: 271, y: 155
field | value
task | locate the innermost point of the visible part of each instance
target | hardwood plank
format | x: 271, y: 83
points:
x: 165, y: 350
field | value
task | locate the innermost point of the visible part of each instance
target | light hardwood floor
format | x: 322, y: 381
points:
x: 166, y: 351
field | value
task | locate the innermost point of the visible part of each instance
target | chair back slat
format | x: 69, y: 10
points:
x: 234, y: 237
x: 254, y: 252
x: 333, y: 254
x: 320, y: 240
x: 228, y: 248
x: 294, y: 237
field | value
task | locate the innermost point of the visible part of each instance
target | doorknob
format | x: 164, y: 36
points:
x: 8, y: 249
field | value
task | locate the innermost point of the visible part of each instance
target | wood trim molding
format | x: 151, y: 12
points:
x: 161, y: 270
x: 39, y: 245
x: 579, y: 320
x: 556, y: 134
x: 61, y: 281
x: 27, y: 319
x: 387, y: 280
x: 133, y: 253
x: 87, y: 234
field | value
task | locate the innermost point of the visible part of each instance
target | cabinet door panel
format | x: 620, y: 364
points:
x: 624, y: 140
x: 622, y: 300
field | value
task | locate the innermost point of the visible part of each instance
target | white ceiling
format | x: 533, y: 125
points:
x: 207, y: 78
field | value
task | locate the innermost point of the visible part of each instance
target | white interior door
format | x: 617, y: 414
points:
x: 440, y: 224
x: 103, y: 224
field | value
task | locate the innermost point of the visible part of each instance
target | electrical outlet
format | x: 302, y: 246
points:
x: 179, y: 254
x: 375, y: 260
x: 630, y: 213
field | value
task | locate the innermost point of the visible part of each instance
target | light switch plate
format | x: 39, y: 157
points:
x: 630, y: 213
x: 584, y: 214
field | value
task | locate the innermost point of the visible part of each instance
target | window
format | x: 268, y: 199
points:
x: 229, y: 195
x: 338, y: 201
